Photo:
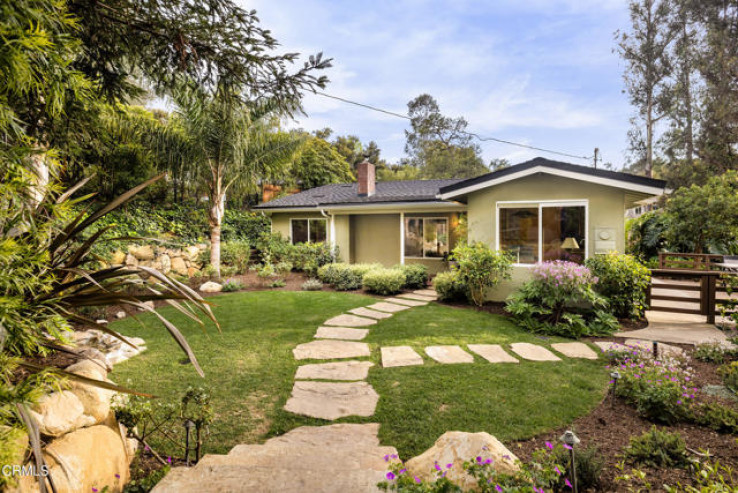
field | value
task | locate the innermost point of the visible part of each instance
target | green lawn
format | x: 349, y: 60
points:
x: 249, y: 369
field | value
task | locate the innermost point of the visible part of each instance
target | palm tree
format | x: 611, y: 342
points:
x: 230, y: 141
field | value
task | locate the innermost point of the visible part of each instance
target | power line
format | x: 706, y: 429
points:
x: 476, y: 136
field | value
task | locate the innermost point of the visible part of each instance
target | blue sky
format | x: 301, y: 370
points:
x: 540, y: 72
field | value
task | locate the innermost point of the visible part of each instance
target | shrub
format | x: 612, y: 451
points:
x: 277, y: 283
x: 416, y: 275
x: 309, y: 257
x: 283, y: 268
x: 236, y: 254
x: 589, y: 465
x: 560, y: 300
x: 448, y: 286
x: 657, y: 449
x: 709, y: 477
x: 345, y: 277
x: 384, y: 281
x: 231, y: 285
x: 623, y: 281
x: 228, y: 271
x: 312, y: 285
x: 272, y: 247
x: 480, y: 268
x: 713, y: 352
x: 718, y: 417
x: 729, y: 373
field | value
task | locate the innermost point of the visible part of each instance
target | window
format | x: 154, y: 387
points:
x: 426, y: 237
x: 308, y: 230
x: 543, y: 232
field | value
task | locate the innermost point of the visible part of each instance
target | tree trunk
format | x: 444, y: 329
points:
x: 649, y: 135
x: 215, y: 217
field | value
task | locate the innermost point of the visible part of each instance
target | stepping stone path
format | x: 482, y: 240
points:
x: 449, y: 354
x: 329, y: 349
x: 343, y: 370
x: 383, y: 306
x: 533, y: 352
x: 575, y: 350
x: 350, y: 321
x: 366, y: 312
x: 431, y: 293
x: 400, y: 356
x: 492, y: 353
x: 416, y: 297
x: 332, y: 400
x: 408, y: 303
x: 341, y: 333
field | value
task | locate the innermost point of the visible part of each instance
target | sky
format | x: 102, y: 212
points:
x: 538, y: 72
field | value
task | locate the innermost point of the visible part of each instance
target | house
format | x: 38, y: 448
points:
x: 643, y: 206
x: 538, y: 210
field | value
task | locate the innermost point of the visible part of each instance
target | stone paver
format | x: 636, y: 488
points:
x: 492, y: 353
x: 342, y: 370
x: 416, y: 297
x: 431, y: 293
x: 329, y: 400
x: 383, y: 306
x: 449, y: 354
x: 366, y: 312
x: 348, y: 320
x: 411, y: 303
x: 341, y: 333
x: 575, y: 350
x: 677, y: 328
x: 400, y: 356
x: 533, y: 352
x: 330, y: 349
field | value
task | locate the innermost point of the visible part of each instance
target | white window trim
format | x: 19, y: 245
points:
x: 308, y: 219
x: 402, y: 238
x: 507, y: 204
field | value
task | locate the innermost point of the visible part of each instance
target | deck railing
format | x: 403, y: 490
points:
x: 689, y: 261
x: 707, y: 289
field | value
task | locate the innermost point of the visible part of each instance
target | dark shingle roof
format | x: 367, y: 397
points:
x: 539, y: 161
x: 347, y: 194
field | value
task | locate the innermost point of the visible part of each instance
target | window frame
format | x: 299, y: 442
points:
x: 308, y: 219
x: 404, y: 239
x: 540, y: 204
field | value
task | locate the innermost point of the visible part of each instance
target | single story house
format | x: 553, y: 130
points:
x: 538, y: 210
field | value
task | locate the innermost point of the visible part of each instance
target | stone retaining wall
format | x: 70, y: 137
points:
x: 185, y: 261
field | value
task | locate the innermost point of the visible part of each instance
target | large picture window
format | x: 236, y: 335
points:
x: 426, y: 237
x: 543, y: 232
x: 308, y: 230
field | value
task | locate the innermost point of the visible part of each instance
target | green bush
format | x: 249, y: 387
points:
x: 589, y: 464
x: 231, y: 285
x: 561, y: 300
x: 718, y: 417
x: 309, y: 257
x: 713, y: 352
x: 283, y: 268
x: 480, y: 268
x: 448, y: 286
x: 623, y: 281
x: 646, y: 235
x: 416, y: 275
x: 729, y: 374
x: 272, y: 247
x: 384, y: 281
x: 657, y: 449
x: 345, y: 277
x: 236, y: 254
x: 312, y: 285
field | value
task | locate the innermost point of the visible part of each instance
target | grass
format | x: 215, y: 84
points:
x: 249, y: 369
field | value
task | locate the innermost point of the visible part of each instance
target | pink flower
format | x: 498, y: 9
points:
x: 549, y: 445
x: 417, y: 479
x: 390, y: 475
x: 567, y: 483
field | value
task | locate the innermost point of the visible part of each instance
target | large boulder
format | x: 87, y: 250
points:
x: 211, y: 287
x: 131, y: 261
x: 144, y: 252
x: 58, y: 413
x: 456, y: 447
x: 166, y: 263
x: 89, y: 459
x: 95, y: 400
x: 193, y: 253
x: 178, y: 265
x: 117, y: 257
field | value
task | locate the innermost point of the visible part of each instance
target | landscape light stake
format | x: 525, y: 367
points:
x: 615, y: 375
x: 188, y: 424
x: 655, y: 350
x: 570, y: 439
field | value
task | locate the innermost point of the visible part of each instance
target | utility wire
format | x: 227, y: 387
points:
x: 476, y: 136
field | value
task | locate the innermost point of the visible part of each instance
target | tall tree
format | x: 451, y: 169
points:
x: 319, y: 164
x: 644, y: 47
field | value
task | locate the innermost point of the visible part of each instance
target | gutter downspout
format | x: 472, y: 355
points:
x: 332, y: 228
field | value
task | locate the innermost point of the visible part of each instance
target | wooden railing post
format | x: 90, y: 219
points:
x: 711, y: 299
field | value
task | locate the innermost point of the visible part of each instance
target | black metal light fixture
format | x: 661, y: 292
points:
x: 615, y: 375
x: 571, y: 440
x: 188, y: 424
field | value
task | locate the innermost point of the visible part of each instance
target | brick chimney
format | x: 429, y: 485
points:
x: 367, y: 178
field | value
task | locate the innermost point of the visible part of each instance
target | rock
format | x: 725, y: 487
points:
x: 131, y: 261
x: 117, y: 258
x: 449, y: 354
x: 166, y: 264
x: 341, y: 333
x: 95, y: 400
x: 400, y: 356
x: 331, y: 349
x: 120, y: 314
x: 191, y: 271
x: 401, y: 301
x: 211, y: 287
x: 346, y: 320
x: 492, y: 353
x: 343, y: 370
x: 193, y: 253
x: 178, y: 265
x: 329, y: 400
x: 383, y: 306
x: 416, y: 297
x: 101, y: 321
x: 366, y: 312
x: 575, y: 350
x: 455, y: 447
x: 144, y: 252
x: 96, y: 356
x: 58, y: 413
x: 533, y: 352
x: 149, y: 305
x: 89, y: 458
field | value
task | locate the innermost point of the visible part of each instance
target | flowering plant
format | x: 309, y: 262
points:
x: 560, y: 300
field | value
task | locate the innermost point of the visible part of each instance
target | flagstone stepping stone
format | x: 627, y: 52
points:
x: 332, y: 400
x: 347, y: 320
x: 575, y: 350
x: 492, y: 353
x: 533, y: 352
x: 400, y: 356
x: 388, y: 307
x: 330, y: 349
x: 366, y: 312
x: 416, y: 297
x: 342, y: 370
x: 401, y: 301
x: 449, y: 354
x: 341, y: 333
x: 431, y: 293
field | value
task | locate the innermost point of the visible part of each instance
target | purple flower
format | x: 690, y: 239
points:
x: 117, y: 476
x: 488, y: 461
x: 390, y: 475
x: 417, y: 479
x: 567, y: 446
x: 479, y: 458
x: 169, y: 461
x: 449, y: 466
x: 558, y: 471
x: 438, y: 468
x: 94, y: 490
x: 498, y: 488
x: 402, y: 471
x: 549, y: 445
x: 386, y: 458
x: 567, y: 483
